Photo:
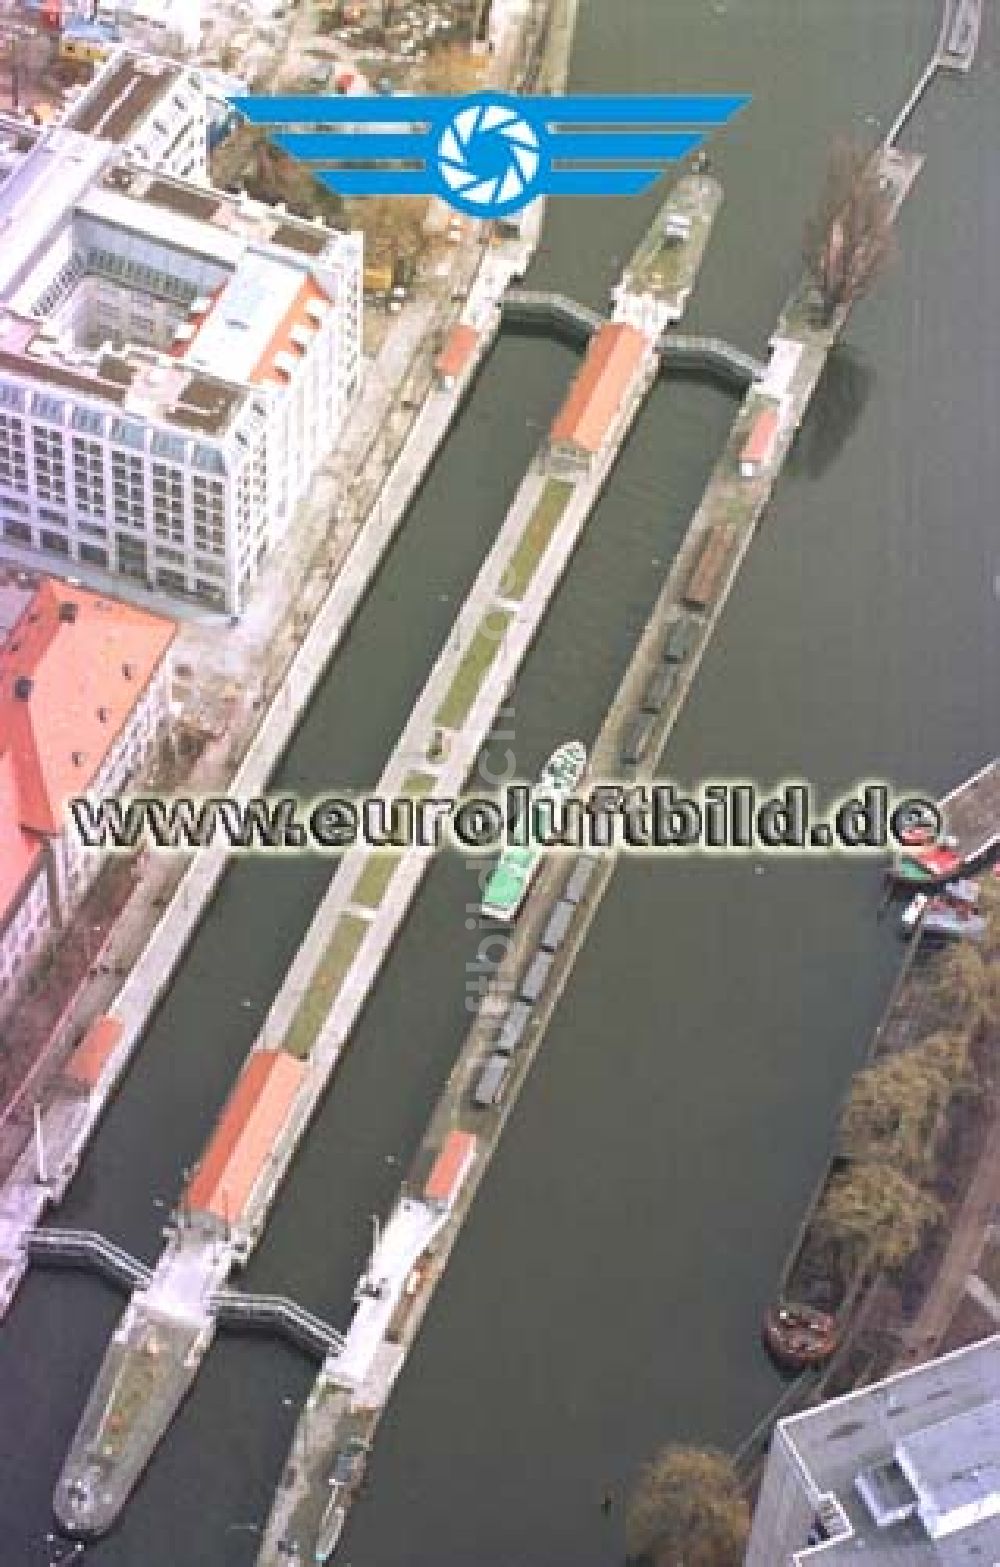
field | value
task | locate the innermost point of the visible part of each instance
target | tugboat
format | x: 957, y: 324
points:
x: 508, y: 886
x: 799, y: 1338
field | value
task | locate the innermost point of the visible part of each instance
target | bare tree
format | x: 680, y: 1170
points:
x: 687, y: 1507
x: 850, y: 239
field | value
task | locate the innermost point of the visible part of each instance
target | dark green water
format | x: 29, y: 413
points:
x: 605, y: 1295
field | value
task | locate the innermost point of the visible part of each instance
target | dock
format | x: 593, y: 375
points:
x: 971, y: 814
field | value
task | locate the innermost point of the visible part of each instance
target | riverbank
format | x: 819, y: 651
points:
x: 923, y: 1115
x: 873, y: 1298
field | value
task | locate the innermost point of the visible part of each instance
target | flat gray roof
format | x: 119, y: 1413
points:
x: 38, y: 197
x: 943, y: 1421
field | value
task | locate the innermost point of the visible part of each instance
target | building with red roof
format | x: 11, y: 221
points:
x: 84, y: 694
x: 450, y: 1168
x: 758, y: 449
x: 86, y: 1065
x: 237, y: 1154
x: 586, y: 419
x: 456, y: 355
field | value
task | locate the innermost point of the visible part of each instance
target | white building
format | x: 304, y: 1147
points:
x: 174, y: 362
x: 154, y: 109
x: 162, y: 26
x: 905, y: 1473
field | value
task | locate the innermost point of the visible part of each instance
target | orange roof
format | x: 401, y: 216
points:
x: 297, y: 314
x: 450, y: 1167
x: 459, y: 347
x: 88, y: 1060
x: 71, y: 672
x: 761, y: 438
x: 613, y: 356
x: 255, y: 1113
x: 20, y: 853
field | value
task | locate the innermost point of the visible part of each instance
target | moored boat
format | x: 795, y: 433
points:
x: 511, y: 878
x: 799, y: 1338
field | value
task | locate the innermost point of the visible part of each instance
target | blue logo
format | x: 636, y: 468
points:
x: 488, y: 154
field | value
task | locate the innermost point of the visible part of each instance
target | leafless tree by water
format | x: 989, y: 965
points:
x: 850, y: 239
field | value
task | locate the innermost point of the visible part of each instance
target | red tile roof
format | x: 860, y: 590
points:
x: 20, y: 852
x: 613, y: 356
x: 296, y: 315
x: 450, y: 1167
x: 88, y: 1060
x: 459, y: 347
x: 256, y: 1112
x: 71, y: 672
x: 760, y: 441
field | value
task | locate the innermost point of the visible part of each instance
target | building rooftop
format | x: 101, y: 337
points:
x: 458, y: 349
x: 450, y: 1167
x: 38, y: 196
x: 763, y: 433
x: 72, y: 670
x: 85, y: 1065
x: 122, y: 96
x: 308, y: 238
x: 925, y: 1447
x: 235, y: 336
x: 179, y: 197
x: 20, y: 851
x: 238, y: 1151
x: 595, y: 398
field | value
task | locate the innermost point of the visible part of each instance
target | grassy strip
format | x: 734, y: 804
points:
x: 535, y: 538
x: 370, y: 886
x: 416, y: 785
x: 314, y: 1008
x: 472, y: 671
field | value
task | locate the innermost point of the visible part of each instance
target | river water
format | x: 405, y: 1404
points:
x: 605, y: 1295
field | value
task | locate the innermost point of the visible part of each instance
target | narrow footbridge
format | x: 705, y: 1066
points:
x: 568, y: 318
x: 86, y: 1249
x: 230, y: 1308
x: 555, y: 312
x: 277, y: 1314
x: 711, y: 356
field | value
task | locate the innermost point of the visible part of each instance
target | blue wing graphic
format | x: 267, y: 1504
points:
x: 488, y: 154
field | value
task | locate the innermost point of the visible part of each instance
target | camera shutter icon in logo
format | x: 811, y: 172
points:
x: 487, y: 154
x: 489, y: 158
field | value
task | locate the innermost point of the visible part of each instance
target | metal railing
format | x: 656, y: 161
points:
x: 87, y: 1249
x: 277, y: 1314
x: 712, y: 355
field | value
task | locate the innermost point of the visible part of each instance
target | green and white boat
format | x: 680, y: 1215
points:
x: 508, y: 885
